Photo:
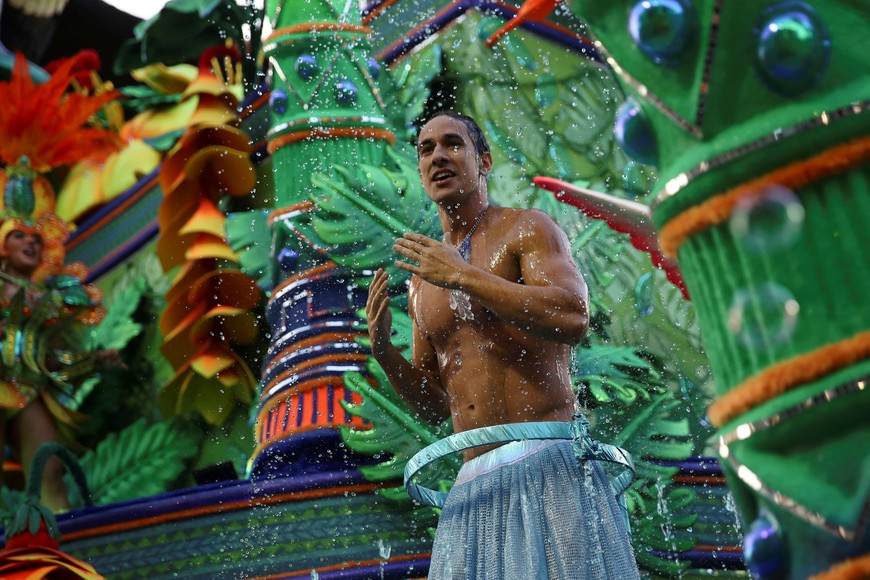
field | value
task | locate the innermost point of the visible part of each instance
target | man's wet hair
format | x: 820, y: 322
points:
x: 474, y: 131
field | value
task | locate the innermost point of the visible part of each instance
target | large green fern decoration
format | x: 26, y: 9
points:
x: 615, y: 373
x: 408, y: 90
x: 649, y: 433
x: 118, y: 327
x: 362, y: 210
x: 139, y: 461
x: 397, y: 430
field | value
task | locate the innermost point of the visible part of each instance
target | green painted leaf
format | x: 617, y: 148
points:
x: 520, y: 51
x: 248, y: 236
x: 546, y: 90
x: 166, y: 141
x: 643, y: 295
x: 396, y: 430
x: 139, y: 461
x: 362, y: 210
x: 118, y: 327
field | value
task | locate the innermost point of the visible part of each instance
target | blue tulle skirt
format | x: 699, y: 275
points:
x: 529, y: 511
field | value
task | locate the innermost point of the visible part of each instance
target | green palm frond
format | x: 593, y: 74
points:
x: 615, y: 373
x: 248, y: 236
x: 118, y: 327
x: 362, y: 210
x: 406, y: 88
x: 139, y: 461
x: 397, y: 429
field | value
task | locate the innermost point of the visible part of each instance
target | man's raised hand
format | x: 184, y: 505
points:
x: 437, y: 263
x: 378, y: 315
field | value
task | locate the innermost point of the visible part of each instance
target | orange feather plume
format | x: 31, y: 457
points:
x: 46, y: 123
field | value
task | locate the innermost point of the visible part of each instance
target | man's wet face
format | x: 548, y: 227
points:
x: 449, y: 166
x: 23, y: 252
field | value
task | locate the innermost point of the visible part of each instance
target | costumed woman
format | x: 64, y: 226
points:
x: 41, y: 327
x: 46, y: 309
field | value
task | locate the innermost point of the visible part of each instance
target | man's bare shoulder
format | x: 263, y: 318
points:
x: 519, y: 223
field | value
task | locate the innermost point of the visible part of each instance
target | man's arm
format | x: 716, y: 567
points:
x: 550, y: 303
x: 417, y: 382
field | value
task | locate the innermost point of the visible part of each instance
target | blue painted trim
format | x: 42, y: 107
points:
x: 212, y: 494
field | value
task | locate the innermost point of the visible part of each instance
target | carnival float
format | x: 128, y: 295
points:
x: 227, y: 205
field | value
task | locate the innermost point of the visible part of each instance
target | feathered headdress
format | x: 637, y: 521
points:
x: 46, y: 124
x: 43, y: 127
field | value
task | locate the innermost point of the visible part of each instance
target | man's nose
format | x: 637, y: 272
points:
x: 440, y: 153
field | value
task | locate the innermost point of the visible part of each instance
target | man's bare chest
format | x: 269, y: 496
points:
x: 443, y: 312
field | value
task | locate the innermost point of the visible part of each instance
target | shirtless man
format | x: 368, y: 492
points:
x: 495, y: 308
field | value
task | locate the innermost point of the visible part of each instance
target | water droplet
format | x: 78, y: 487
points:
x: 384, y: 549
x: 763, y: 316
x: 771, y: 220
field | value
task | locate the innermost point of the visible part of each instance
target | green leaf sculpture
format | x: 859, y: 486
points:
x: 139, y: 461
x: 650, y: 434
x: 408, y: 88
x: 248, y: 236
x: 615, y: 372
x: 397, y: 429
x: 362, y: 210
x: 118, y: 327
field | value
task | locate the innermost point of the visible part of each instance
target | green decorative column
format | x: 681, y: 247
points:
x: 756, y: 114
x: 326, y: 105
x: 326, y: 112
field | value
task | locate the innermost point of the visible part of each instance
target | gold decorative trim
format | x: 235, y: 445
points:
x: 746, y: 475
x: 676, y: 184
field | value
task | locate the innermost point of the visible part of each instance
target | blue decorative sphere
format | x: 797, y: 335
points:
x: 765, y: 549
x: 374, y: 67
x: 663, y: 29
x: 346, y: 93
x: 288, y: 258
x: 278, y: 101
x: 793, y: 47
x: 635, y: 134
x: 307, y: 66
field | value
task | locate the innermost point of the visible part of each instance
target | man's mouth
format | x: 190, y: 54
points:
x: 442, y: 175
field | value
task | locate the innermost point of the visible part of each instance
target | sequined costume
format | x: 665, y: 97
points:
x: 42, y: 326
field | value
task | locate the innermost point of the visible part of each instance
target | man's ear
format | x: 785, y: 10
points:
x: 485, y: 163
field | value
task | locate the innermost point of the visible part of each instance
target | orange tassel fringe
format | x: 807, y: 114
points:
x: 787, y: 375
